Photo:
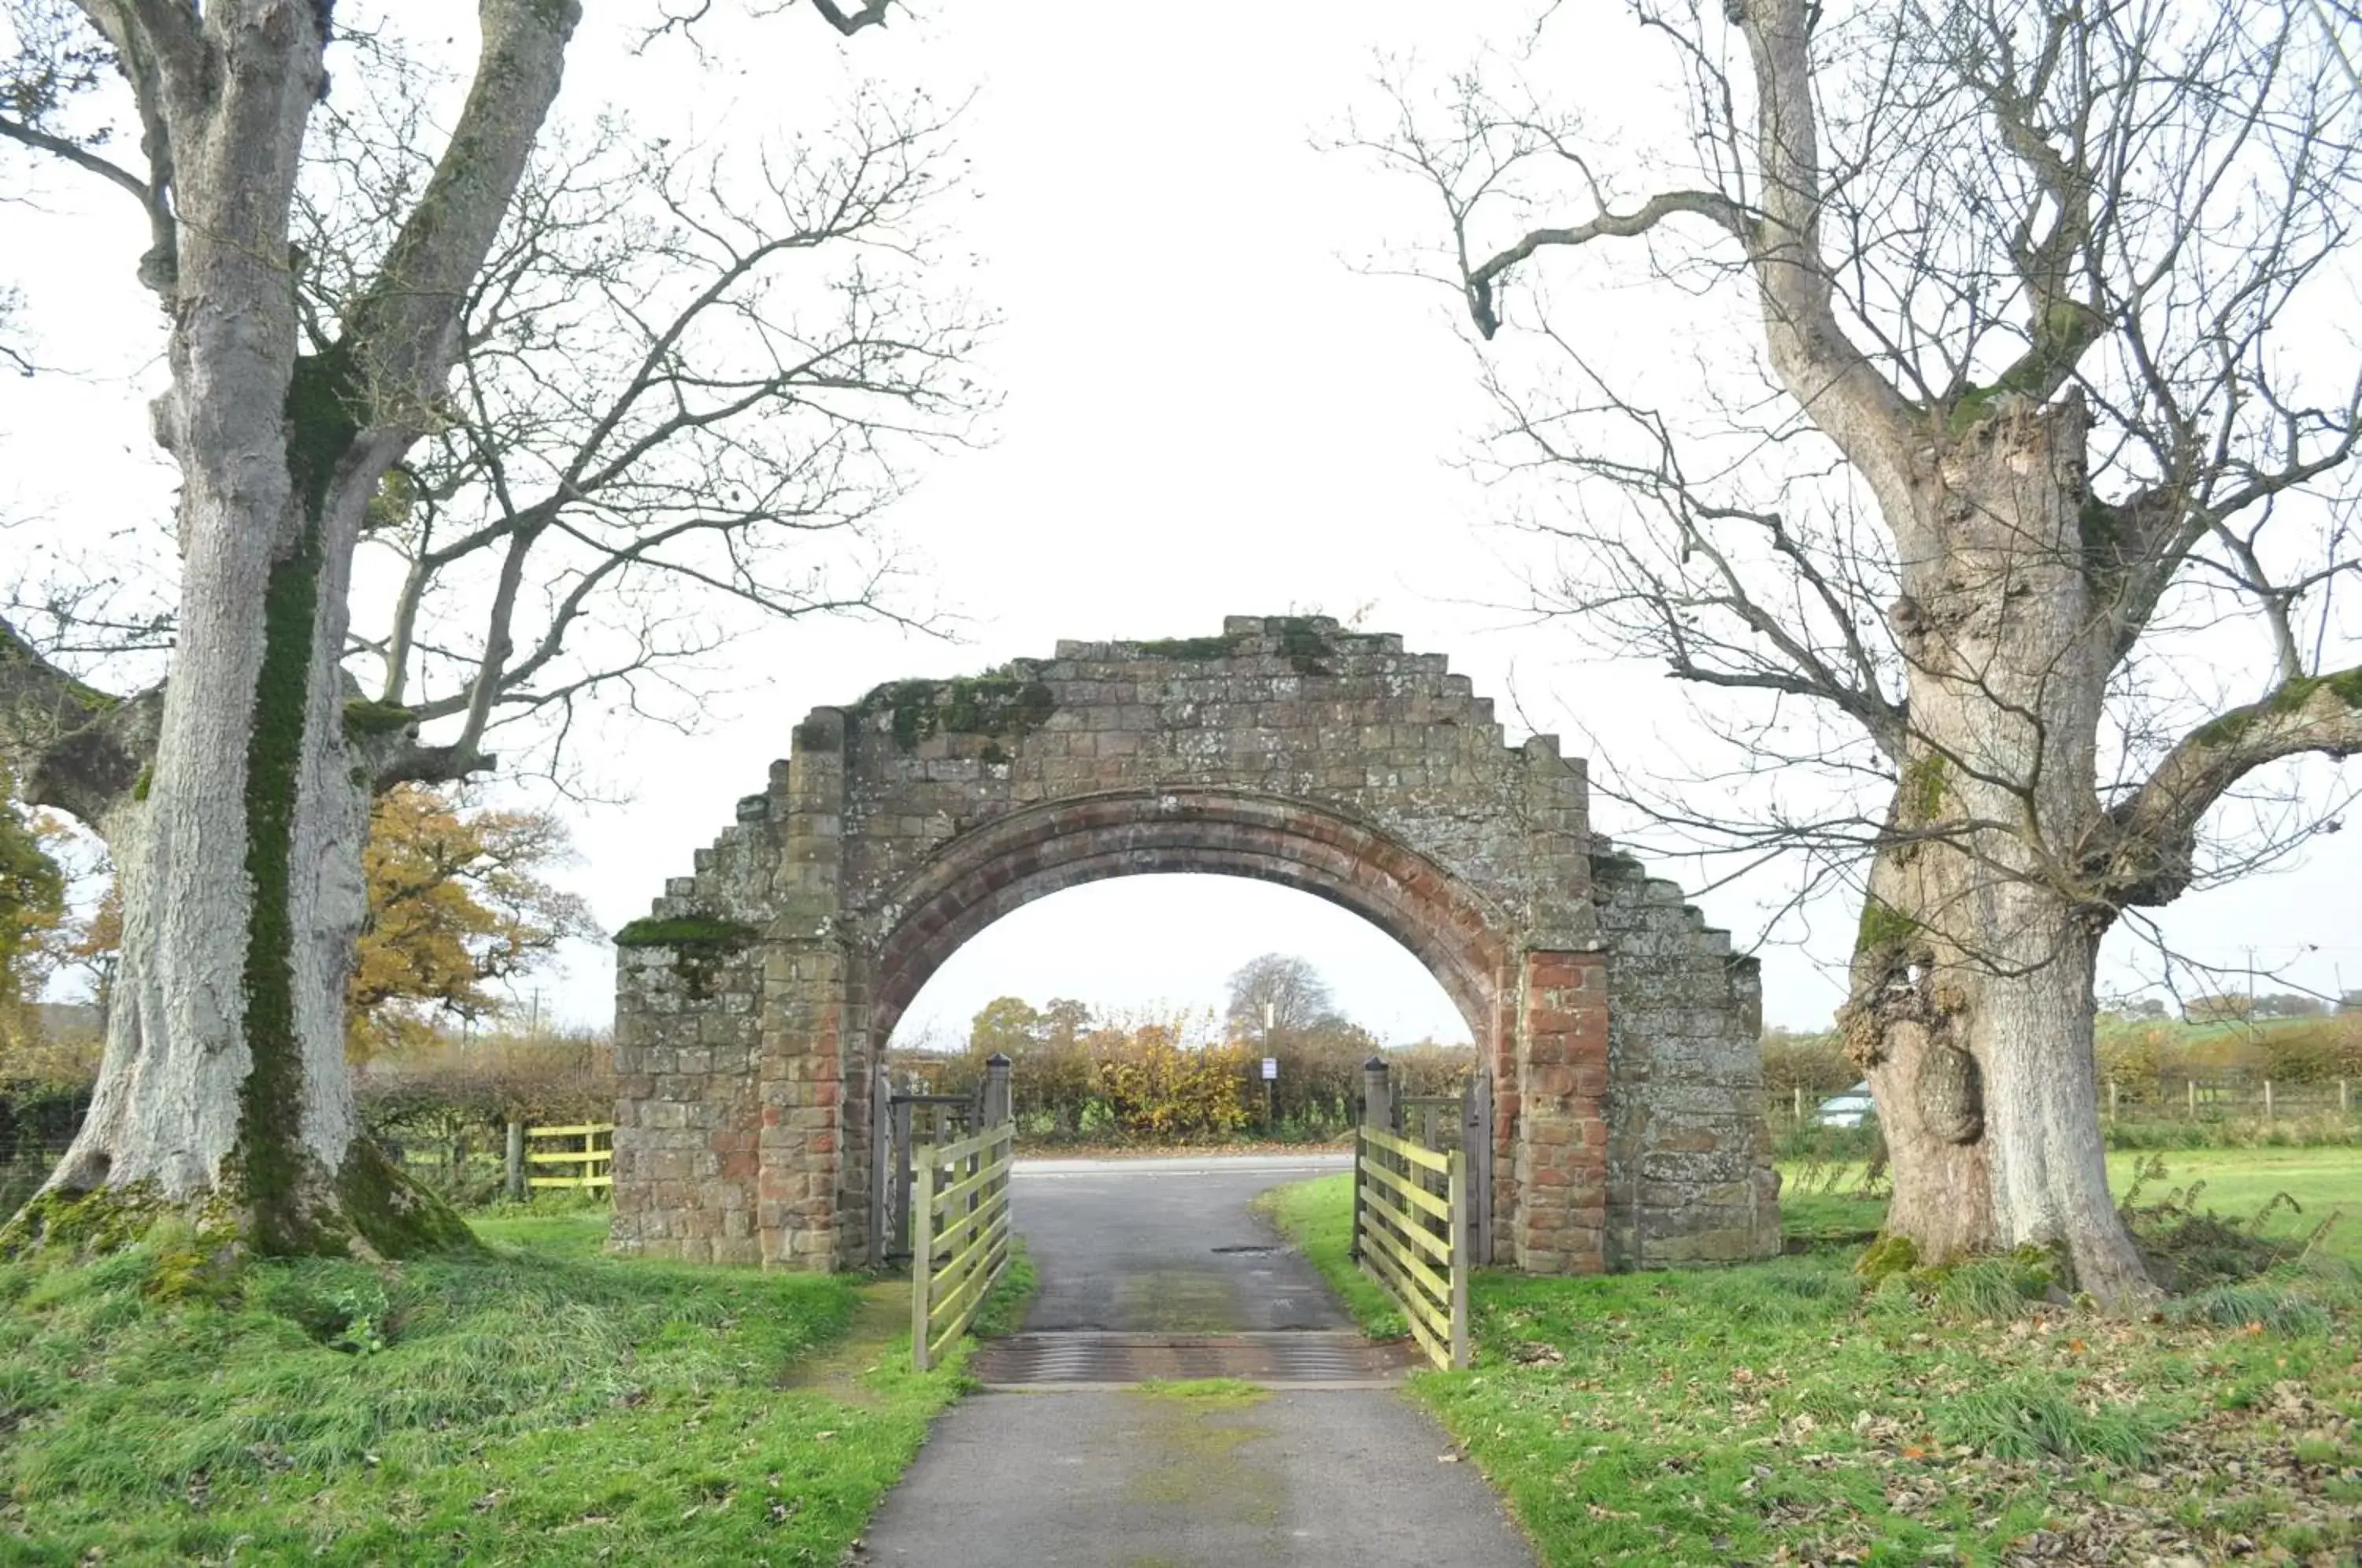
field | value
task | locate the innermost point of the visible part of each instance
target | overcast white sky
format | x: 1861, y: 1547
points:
x: 1209, y: 410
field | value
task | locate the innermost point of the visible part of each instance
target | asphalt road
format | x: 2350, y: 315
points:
x: 1165, y: 1246
x: 1158, y: 1478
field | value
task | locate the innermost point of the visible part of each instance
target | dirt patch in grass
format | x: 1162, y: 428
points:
x: 879, y: 1328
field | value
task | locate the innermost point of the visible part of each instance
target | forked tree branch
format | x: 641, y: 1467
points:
x: 70, y: 745
x: 871, y: 13
x: 2159, y: 822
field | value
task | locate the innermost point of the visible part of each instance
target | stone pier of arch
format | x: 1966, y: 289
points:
x: 1620, y: 1032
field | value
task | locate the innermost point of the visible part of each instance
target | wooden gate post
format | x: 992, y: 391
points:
x: 1477, y: 1142
x: 881, y: 1165
x: 1377, y: 1098
x: 997, y: 1107
x: 1456, y: 1190
x: 903, y: 1131
x: 516, y: 1162
x: 1378, y: 1111
x: 922, y: 1252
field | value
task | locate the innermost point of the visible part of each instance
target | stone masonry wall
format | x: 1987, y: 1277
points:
x: 1627, y: 1088
x: 688, y: 1047
x: 1292, y: 707
x: 1689, y: 1162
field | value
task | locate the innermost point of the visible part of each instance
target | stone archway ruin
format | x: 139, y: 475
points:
x: 751, y: 1002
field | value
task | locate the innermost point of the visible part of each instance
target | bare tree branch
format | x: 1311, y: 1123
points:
x: 2159, y: 822
x: 70, y: 745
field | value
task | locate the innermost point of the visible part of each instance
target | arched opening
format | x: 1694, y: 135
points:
x: 1160, y: 944
x: 983, y: 876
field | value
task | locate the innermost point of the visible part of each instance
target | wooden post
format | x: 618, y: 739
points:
x: 1457, y: 1195
x: 1377, y: 1111
x: 902, y: 1131
x: 998, y: 1106
x: 1799, y: 1098
x: 516, y: 1162
x: 2111, y: 1101
x: 1476, y: 1139
x: 881, y: 1165
x: 2268, y: 1102
x: 922, y: 1250
x: 2191, y: 1085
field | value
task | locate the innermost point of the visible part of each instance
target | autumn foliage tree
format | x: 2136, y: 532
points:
x: 32, y: 907
x: 456, y: 906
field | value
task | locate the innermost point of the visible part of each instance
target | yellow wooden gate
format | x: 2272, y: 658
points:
x: 959, y: 1234
x: 1411, y: 1220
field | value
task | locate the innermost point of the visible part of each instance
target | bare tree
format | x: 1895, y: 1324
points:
x: 641, y: 403
x: 2026, y: 465
x: 1281, y: 992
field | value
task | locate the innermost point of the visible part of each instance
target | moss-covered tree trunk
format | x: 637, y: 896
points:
x: 223, y: 1089
x: 1971, y: 999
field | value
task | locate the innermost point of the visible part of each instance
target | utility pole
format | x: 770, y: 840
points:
x: 2251, y: 996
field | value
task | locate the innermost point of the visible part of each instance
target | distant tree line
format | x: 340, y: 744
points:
x: 1084, y: 1075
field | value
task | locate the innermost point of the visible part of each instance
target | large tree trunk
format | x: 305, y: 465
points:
x: 1971, y: 997
x: 224, y: 1093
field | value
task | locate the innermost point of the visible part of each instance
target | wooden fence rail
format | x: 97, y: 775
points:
x: 1414, y: 1240
x: 959, y: 1235
x: 592, y: 1159
x: 2220, y: 1098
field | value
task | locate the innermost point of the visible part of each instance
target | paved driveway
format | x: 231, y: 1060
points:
x: 1168, y: 1476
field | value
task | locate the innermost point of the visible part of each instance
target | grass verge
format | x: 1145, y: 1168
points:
x: 540, y: 1404
x: 1789, y: 1411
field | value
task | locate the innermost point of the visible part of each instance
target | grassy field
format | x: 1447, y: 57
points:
x: 1789, y: 1411
x: 2303, y: 1188
x: 537, y: 1404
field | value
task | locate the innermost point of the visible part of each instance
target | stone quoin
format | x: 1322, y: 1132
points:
x: 753, y: 1003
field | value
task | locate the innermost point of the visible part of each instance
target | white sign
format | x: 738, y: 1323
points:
x: 1270, y: 1068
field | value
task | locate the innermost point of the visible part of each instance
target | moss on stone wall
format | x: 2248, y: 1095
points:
x: 686, y: 930
x: 1193, y: 649
x: 1301, y: 638
x: 1005, y: 705
x: 1304, y: 642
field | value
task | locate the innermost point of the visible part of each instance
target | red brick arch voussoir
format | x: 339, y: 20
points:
x: 996, y: 868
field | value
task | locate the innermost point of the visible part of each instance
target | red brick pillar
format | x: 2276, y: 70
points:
x: 1561, y: 1050
x: 802, y: 1103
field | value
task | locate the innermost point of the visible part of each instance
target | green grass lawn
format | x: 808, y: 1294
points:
x: 535, y: 1404
x: 1787, y: 1411
x: 2322, y: 1184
